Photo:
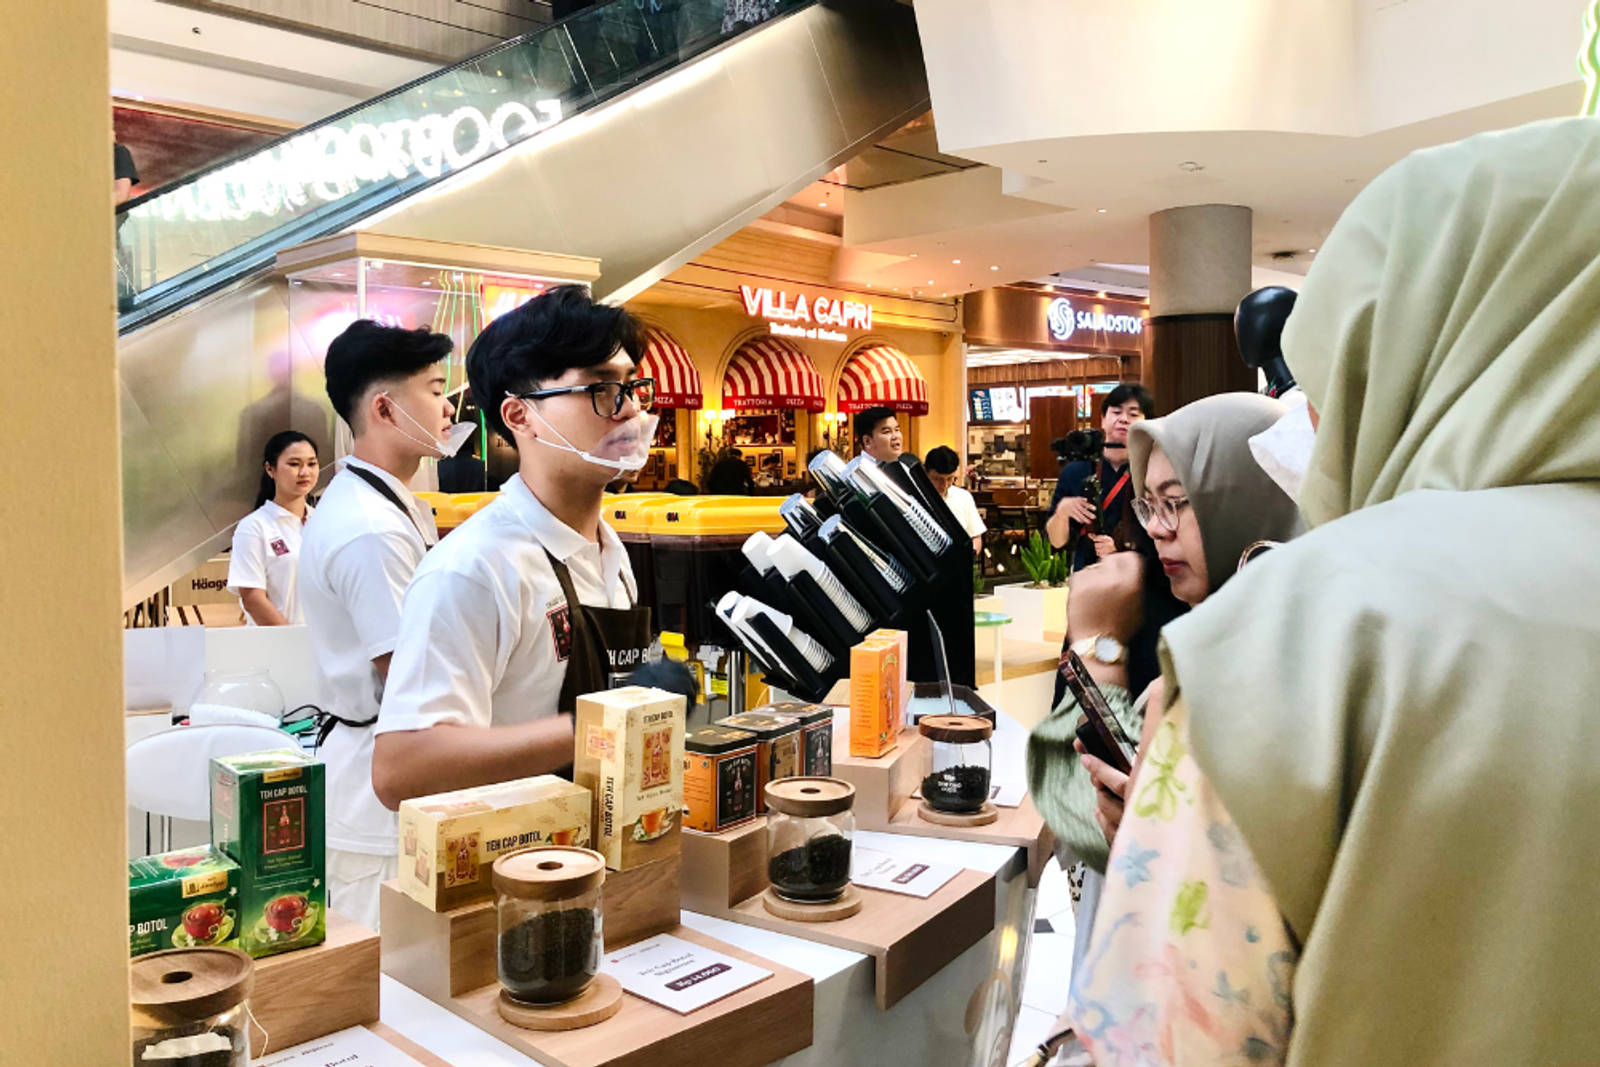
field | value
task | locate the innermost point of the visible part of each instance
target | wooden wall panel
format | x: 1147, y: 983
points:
x: 1194, y: 356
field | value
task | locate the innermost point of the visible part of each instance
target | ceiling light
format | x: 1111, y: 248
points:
x: 1100, y: 211
x: 1101, y: 294
x: 1311, y: 250
x: 822, y: 203
x: 913, y: 255
x: 1190, y: 165
x: 994, y: 268
x: 957, y: 262
x: 930, y: 281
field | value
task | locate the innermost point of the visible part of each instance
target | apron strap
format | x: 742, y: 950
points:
x: 385, y: 491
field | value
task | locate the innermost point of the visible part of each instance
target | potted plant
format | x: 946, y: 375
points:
x: 1038, y: 608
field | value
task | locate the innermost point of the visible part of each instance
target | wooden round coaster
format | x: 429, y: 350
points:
x: 599, y: 1002
x: 982, y: 817
x: 848, y: 904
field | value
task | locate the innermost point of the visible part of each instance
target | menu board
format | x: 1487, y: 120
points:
x: 982, y: 410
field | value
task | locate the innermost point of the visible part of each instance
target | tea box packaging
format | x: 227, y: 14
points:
x: 778, y: 745
x: 268, y: 815
x: 183, y: 899
x: 719, y: 778
x: 816, y: 725
x: 875, y: 697
x: 903, y: 644
x: 449, y: 841
x: 629, y: 755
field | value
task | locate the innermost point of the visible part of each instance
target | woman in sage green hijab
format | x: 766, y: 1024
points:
x: 1366, y: 830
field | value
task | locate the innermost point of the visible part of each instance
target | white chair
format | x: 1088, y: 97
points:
x: 169, y: 773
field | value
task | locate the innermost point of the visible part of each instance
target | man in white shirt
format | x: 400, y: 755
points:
x: 878, y: 435
x: 944, y: 471
x: 359, y: 551
x: 531, y: 602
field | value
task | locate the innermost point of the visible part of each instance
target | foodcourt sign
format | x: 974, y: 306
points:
x: 806, y: 318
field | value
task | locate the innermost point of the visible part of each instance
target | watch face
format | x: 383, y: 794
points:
x: 1107, y: 649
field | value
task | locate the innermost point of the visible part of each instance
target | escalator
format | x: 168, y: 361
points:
x: 639, y: 132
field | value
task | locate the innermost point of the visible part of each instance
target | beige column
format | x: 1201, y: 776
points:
x: 1199, y: 271
x: 63, y: 970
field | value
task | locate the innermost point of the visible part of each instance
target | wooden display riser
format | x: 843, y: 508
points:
x: 766, y: 1022
x: 1022, y: 827
x: 298, y: 996
x: 883, y: 785
x: 638, y: 903
x: 910, y: 939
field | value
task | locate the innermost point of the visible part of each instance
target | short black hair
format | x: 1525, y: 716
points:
x: 867, y: 422
x: 368, y: 353
x: 1130, y: 391
x: 942, y: 460
x: 540, y: 341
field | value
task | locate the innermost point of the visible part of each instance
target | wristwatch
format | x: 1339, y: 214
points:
x: 1102, y: 647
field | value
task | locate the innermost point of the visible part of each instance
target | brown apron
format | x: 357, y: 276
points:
x: 605, y: 645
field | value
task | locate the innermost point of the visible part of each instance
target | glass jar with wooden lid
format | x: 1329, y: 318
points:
x: 190, y: 1007
x: 810, y: 827
x: 962, y: 759
x: 548, y: 901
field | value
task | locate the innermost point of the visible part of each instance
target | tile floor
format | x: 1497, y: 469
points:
x: 1044, y: 990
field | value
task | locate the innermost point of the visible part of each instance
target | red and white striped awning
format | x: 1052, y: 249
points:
x: 770, y: 372
x: 665, y: 360
x: 882, y: 376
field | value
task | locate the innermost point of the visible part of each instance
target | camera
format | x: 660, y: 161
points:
x: 1079, y: 446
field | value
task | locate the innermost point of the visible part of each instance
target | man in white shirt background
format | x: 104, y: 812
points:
x: 945, y: 471
x: 531, y: 602
x: 359, y: 551
x: 878, y: 434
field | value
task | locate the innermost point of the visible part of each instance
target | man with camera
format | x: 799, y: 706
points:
x: 1121, y: 408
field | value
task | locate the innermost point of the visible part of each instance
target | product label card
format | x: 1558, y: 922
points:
x: 880, y: 870
x: 355, y: 1047
x: 1007, y: 794
x: 679, y: 974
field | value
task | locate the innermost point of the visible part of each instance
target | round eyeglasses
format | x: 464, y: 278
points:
x: 1165, y: 511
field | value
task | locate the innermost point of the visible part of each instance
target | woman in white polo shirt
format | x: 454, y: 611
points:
x: 266, y: 543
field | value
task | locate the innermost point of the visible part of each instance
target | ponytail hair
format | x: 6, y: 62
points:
x: 275, y: 446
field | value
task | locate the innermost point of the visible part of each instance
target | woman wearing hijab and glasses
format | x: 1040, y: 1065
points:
x: 1364, y: 831
x: 1203, y: 500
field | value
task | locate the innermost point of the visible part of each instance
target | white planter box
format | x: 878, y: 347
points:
x: 1034, y: 612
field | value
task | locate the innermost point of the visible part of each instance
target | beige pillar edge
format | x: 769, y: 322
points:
x: 1199, y: 259
x: 63, y: 973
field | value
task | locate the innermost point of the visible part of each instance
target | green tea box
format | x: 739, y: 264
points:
x: 183, y: 899
x: 267, y: 814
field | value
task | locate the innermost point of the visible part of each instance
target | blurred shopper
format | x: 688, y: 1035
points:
x: 266, y: 543
x: 1364, y: 830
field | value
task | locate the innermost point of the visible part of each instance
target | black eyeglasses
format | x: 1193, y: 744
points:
x: 606, y: 398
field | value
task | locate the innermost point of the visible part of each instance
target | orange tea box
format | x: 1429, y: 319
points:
x: 719, y: 778
x: 902, y: 643
x: 449, y: 841
x: 874, y: 697
x: 629, y: 756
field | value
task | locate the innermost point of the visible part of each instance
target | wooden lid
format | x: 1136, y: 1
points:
x: 961, y: 729
x: 810, y: 797
x: 185, y: 985
x: 549, y: 872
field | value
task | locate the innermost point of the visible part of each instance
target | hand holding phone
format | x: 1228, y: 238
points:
x: 1102, y: 735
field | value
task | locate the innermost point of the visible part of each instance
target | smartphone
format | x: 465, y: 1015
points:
x: 1102, y: 735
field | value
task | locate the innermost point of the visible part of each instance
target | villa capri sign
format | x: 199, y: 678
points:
x: 1064, y: 321
x: 808, y: 319
x: 328, y: 164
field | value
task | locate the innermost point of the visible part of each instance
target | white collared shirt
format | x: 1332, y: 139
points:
x: 965, y: 509
x: 476, y: 642
x: 265, y: 555
x: 356, y: 559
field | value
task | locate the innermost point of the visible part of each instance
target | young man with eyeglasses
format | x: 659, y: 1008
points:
x: 531, y: 602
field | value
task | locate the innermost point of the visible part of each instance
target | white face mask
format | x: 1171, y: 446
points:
x: 624, y: 449
x: 454, y: 438
x: 1283, y: 450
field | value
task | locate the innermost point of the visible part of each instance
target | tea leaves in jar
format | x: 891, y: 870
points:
x: 818, y: 870
x: 550, y: 956
x: 962, y: 788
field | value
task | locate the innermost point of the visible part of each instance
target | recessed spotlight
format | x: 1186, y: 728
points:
x: 1101, y: 294
x: 822, y: 203
x: 1311, y: 250
x: 1100, y: 211
x: 913, y: 255
x: 1191, y: 166
x: 994, y: 268
x: 930, y: 281
x: 956, y: 262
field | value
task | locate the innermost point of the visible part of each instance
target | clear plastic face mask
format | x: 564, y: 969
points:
x: 454, y: 439
x: 625, y: 448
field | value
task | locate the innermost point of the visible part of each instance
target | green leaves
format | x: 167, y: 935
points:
x: 1043, y: 564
